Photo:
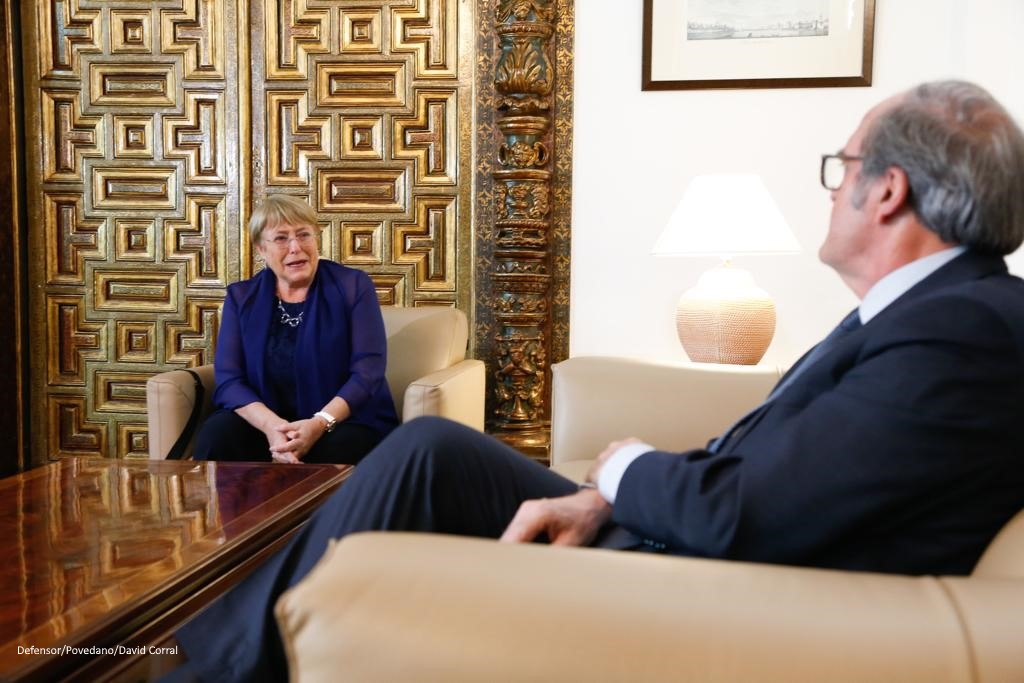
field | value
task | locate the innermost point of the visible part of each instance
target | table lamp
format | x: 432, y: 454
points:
x: 726, y: 317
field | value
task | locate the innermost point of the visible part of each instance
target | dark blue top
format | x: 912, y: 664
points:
x: 340, y: 348
x: 280, y: 358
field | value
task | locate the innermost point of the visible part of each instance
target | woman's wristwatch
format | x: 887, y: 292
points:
x: 328, y: 418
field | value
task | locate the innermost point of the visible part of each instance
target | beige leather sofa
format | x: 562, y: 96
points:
x: 427, y: 371
x: 417, y: 607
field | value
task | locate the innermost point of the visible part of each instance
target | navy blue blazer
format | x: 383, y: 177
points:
x: 340, y: 349
x: 900, y: 450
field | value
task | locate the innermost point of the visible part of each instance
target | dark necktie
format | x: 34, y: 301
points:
x: 847, y: 325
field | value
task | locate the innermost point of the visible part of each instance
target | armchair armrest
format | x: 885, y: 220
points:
x: 170, y: 397
x: 596, y: 400
x: 456, y: 392
x: 391, y: 606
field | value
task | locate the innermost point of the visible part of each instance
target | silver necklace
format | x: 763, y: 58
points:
x: 289, y: 320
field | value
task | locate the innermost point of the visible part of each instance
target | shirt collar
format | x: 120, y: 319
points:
x: 898, y: 282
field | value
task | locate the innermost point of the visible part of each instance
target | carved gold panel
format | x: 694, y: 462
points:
x: 135, y: 290
x: 135, y: 342
x: 198, y: 239
x: 426, y: 138
x: 372, y: 86
x: 133, y: 137
x: 134, y: 239
x: 362, y: 242
x: 198, y: 137
x: 425, y: 31
x: 301, y: 138
x: 362, y: 138
x: 72, y: 32
x: 118, y: 392
x: 133, y: 85
x: 74, y: 136
x: 71, y: 239
x: 73, y: 340
x: 361, y: 30
x: 197, y: 32
x: 294, y: 31
x: 69, y: 431
x: 362, y: 191
x: 131, y: 32
x: 124, y: 187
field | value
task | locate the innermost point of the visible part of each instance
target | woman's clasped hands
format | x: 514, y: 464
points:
x: 290, y: 441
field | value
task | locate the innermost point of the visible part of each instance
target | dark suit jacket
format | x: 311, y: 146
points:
x: 341, y: 348
x: 899, y: 450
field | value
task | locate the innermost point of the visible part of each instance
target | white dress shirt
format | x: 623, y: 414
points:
x: 884, y: 292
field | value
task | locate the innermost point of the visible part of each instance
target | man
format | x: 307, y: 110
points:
x: 895, y: 445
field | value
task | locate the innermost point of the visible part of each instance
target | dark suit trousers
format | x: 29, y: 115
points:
x: 428, y: 475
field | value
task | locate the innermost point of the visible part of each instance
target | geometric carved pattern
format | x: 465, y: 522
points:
x: 362, y: 138
x: 133, y: 239
x: 133, y: 137
x: 133, y: 290
x: 197, y: 32
x: 197, y: 240
x: 72, y: 31
x: 133, y: 442
x: 135, y: 188
x: 377, y: 85
x: 424, y: 31
x: 132, y: 85
x: 389, y: 289
x: 193, y: 341
x: 425, y: 138
x: 195, y: 137
x: 131, y: 32
x: 362, y: 191
x: 426, y: 242
x: 360, y: 31
x: 135, y: 342
x: 74, y: 239
x: 70, y: 433
x: 362, y: 242
x: 118, y: 392
x: 298, y: 137
x: 73, y: 340
x: 294, y: 31
x: 74, y: 135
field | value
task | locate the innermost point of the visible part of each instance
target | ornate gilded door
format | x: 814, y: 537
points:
x: 155, y: 125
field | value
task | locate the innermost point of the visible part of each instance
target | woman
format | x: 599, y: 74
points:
x: 300, y: 355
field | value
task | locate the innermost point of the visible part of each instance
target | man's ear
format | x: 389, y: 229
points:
x: 895, y: 195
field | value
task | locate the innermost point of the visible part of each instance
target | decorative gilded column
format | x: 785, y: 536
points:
x: 524, y: 78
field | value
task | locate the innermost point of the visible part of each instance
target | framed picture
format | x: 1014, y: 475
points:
x: 716, y: 44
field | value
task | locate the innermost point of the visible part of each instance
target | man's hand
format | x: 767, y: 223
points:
x: 602, y: 458
x: 569, y: 520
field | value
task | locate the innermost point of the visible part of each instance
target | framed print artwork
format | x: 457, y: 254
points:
x: 715, y: 44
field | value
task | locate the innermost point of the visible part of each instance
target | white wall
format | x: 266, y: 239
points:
x: 634, y: 153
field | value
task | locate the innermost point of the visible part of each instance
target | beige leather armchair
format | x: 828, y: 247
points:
x: 385, y: 607
x: 427, y: 371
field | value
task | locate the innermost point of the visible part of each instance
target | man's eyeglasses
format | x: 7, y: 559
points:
x: 833, y: 169
x: 281, y: 241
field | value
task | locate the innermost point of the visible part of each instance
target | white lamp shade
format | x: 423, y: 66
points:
x: 724, y: 215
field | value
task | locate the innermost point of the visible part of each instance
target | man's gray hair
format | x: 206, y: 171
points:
x: 964, y: 158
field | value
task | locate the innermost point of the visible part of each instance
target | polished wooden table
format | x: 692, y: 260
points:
x: 108, y: 554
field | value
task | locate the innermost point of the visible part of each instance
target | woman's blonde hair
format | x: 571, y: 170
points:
x: 277, y: 209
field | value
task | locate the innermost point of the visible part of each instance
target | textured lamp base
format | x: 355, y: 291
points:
x: 726, y: 318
